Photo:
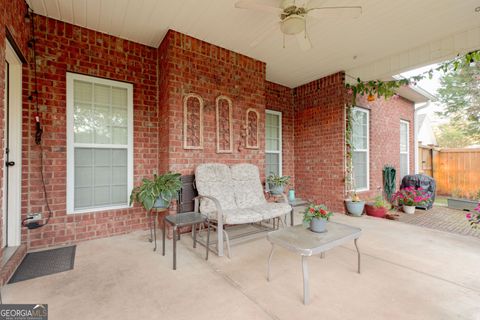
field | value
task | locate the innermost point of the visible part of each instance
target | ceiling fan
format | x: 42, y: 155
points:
x: 293, y: 16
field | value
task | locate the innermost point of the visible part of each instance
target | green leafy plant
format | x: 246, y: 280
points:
x: 380, y: 202
x: 165, y: 186
x: 278, y: 181
x: 316, y: 211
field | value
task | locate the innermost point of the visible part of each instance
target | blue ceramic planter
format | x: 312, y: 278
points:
x: 318, y: 225
x: 355, y: 208
x: 161, y: 204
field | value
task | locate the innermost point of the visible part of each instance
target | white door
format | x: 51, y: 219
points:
x: 13, y: 149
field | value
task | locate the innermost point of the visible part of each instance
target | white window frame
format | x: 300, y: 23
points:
x: 367, y: 150
x: 408, y: 146
x: 280, y: 136
x: 71, y: 77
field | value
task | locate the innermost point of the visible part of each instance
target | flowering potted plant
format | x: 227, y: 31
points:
x: 474, y: 218
x: 317, y: 216
x: 410, y: 197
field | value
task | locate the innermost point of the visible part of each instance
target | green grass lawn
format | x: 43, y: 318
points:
x: 440, y: 200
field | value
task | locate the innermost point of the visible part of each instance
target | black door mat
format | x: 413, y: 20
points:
x: 43, y: 263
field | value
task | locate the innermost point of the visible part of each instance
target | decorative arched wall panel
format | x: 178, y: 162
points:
x: 192, y: 121
x: 252, y: 127
x: 224, y: 124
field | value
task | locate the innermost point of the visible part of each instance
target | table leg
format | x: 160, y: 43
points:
x: 194, y: 230
x: 358, y: 254
x: 174, y: 247
x: 208, y: 238
x: 291, y: 217
x: 155, y: 231
x: 322, y: 255
x: 269, y: 262
x: 163, y: 237
x: 306, y: 290
x: 150, y: 225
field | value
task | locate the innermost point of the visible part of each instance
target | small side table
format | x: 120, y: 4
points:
x: 183, y: 220
x: 298, y: 202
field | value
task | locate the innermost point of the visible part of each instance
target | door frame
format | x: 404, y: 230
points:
x: 14, y: 136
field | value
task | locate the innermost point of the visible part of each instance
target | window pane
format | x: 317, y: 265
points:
x: 101, y: 196
x: 101, y: 121
x: 360, y: 130
x: 119, y: 194
x: 103, y: 176
x: 83, y: 198
x: 119, y: 97
x: 102, y: 94
x: 272, y: 164
x: 82, y: 124
x: 102, y: 157
x: 119, y: 135
x: 403, y: 137
x: 119, y: 157
x: 360, y: 164
x: 119, y: 117
x: 82, y: 91
x: 403, y: 165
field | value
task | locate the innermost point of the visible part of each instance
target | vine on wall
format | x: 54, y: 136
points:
x: 386, y: 89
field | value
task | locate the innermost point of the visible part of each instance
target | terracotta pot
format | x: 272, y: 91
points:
x: 373, y: 211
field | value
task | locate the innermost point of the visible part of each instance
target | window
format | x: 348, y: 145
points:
x: 360, y: 141
x: 99, y: 143
x: 273, y: 142
x: 404, y: 149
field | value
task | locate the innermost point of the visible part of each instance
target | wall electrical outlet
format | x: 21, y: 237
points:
x: 34, y: 217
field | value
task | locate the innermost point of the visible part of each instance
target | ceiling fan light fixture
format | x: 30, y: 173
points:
x: 293, y: 24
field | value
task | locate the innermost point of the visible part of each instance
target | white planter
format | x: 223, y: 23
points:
x: 409, y: 209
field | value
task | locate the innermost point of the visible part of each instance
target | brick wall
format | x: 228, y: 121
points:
x: 194, y: 66
x: 280, y: 98
x: 63, y: 48
x: 312, y: 114
x: 319, y: 140
x: 385, y: 119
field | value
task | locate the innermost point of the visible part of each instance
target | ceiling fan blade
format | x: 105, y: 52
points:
x: 265, y: 33
x: 338, y: 12
x: 269, y: 6
x: 303, y: 41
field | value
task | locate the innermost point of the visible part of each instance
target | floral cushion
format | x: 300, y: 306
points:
x: 271, y: 210
x: 247, y: 186
x: 214, y: 180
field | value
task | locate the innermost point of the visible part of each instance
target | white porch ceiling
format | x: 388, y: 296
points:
x: 386, y: 29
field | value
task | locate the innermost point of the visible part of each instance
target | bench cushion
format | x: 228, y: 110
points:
x: 271, y: 210
x: 247, y: 186
x: 215, y: 180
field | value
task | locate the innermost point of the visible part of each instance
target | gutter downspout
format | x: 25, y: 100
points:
x: 415, y: 133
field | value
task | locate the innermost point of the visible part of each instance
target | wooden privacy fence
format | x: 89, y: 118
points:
x: 456, y: 171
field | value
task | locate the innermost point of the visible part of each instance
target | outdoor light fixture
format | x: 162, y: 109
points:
x: 293, y: 24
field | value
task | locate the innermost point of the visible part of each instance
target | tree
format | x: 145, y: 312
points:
x: 460, y: 93
x: 449, y: 135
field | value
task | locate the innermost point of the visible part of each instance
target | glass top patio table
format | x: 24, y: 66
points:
x: 301, y: 240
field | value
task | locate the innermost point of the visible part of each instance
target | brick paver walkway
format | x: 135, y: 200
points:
x: 441, y: 218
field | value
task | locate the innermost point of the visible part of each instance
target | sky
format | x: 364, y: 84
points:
x: 431, y: 85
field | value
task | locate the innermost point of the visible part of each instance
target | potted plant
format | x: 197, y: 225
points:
x: 378, y: 208
x: 317, y: 217
x: 355, y: 205
x: 157, y: 192
x: 410, y: 197
x: 276, y: 183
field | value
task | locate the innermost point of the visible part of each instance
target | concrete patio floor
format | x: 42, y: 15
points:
x: 408, y: 272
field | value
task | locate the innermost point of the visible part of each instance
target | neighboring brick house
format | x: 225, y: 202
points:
x: 156, y: 82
